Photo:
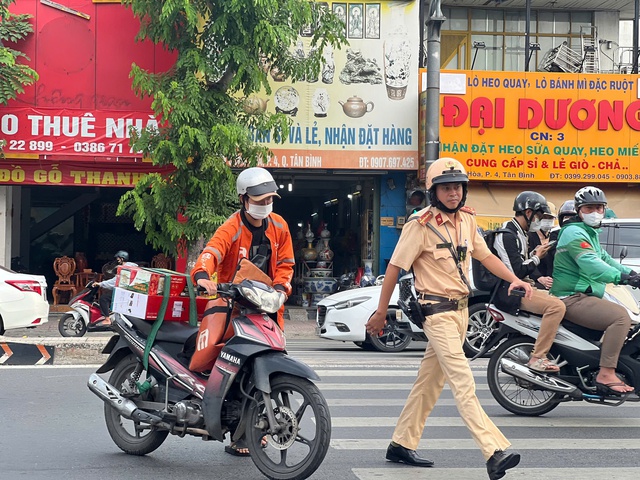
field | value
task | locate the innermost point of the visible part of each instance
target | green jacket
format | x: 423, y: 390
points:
x: 580, y: 263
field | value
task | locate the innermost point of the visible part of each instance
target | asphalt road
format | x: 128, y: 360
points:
x: 52, y: 427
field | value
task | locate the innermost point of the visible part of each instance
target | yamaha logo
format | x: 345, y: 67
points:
x: 230, y: 358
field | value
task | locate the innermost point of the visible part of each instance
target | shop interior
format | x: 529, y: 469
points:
x: 330, y: 217
x: 331, y: 221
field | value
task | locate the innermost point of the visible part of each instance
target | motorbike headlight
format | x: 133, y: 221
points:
x: 351, y: 303
x: 268, y: 301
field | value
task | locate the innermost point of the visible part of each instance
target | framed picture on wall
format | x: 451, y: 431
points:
x: 340, y: 10
x: 355, y: 22
x: 372, y: 21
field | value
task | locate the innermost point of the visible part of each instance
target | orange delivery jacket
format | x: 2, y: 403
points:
x: 232, y: 241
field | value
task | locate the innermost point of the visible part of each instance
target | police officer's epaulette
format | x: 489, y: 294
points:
x: 425, y: 217
x: 469, y: 210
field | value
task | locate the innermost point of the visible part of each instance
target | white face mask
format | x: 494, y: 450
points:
x: 535, y: 225
x: 259, y: 212
x: 546, y: 224
x: 593, y: 219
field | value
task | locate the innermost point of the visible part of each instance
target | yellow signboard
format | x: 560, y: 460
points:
x: 525, y: 126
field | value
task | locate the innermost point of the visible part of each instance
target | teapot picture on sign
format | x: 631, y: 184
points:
x: 355, y: 107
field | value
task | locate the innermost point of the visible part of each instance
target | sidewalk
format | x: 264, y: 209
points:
x: 87, y: 349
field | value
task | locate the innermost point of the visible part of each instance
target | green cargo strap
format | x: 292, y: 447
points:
x: 193, y: 319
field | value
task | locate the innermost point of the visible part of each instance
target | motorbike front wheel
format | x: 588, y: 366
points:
x: 515, y: 395
x: 131, y: 436
x: 68, y: 326
x: 299, y: 446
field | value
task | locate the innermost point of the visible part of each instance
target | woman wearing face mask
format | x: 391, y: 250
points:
x: 581, y: 271
x: 548, y: 233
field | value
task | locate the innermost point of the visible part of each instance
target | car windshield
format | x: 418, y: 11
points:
x: 616, y: 236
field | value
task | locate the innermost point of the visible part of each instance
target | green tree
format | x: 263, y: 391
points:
x: 225, y: 49
x: 14, y: 76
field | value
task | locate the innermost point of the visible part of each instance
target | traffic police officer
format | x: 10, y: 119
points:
x: 437, y: 242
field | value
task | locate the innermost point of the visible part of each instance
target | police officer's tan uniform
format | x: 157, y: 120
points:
x: 436, y: 274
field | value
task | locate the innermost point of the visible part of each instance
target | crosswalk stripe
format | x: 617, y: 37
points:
x: 519, y: 444
x: 377, y: 386
x: 569, y: 473
x: 510, y: 421
x: 442, y: 402
x: 378, y: 373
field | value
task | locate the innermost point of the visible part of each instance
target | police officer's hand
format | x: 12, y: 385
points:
x: 209, y: 286
x: 376, y: 322
x: 522, y: 285
x: 95, y: 284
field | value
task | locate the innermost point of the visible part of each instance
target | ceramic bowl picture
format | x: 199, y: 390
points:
x: 320, y: 272
x: 320, y: 285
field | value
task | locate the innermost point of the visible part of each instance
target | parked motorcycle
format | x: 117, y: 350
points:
x: 576, y: 350
x: 85, y: 315
x: 255, y: 391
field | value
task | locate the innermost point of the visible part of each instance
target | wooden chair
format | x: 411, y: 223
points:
x: 162, y: 261
x: 63, y: 268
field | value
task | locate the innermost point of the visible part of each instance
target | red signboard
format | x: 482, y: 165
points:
x: 74, y: 173
x: 46, y: 131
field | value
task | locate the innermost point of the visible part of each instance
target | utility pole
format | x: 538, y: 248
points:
x: 432, y: 137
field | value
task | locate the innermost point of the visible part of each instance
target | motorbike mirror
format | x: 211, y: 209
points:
x: 623, y: 253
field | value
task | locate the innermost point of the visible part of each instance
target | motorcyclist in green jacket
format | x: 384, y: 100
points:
x: 581, y: 270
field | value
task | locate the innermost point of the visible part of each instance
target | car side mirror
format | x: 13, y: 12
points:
x: 623, y: 253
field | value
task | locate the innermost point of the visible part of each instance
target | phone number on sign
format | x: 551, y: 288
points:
x: 594, y: 176
x: 81, y: 147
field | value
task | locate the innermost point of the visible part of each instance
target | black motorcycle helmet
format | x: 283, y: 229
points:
x: 533, y: 201
x: 567, y: 210
x: 123, y: 255
x: 589, y: 196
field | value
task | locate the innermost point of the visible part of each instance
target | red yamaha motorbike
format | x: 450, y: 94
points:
x: 85, y: 315
x: 255, y: 391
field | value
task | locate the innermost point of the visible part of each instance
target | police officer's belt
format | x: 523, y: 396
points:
x: 444, y: 304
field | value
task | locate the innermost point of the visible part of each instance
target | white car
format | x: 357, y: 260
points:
x: 342, y: 316
x: 23, y: 300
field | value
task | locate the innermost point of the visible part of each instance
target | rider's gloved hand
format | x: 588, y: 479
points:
x: 628, y: 279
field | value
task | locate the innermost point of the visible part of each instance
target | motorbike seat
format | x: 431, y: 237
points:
x: 172, y: 332
x: 594, y: 336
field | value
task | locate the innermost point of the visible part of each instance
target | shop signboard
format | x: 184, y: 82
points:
x: 531, y: 126
x: 49, y: 131
x: 70, y: 172
x: 361, y: 111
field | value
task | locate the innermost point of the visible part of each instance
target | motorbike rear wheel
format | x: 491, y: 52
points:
x: 68, y: 326
x: 299, y: 447
x: 517, y: 396
x: 130, y: 436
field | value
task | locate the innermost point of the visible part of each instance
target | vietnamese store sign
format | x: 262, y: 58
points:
x: 361, y: 110
x: 519, y: 126
x: 46, y: 131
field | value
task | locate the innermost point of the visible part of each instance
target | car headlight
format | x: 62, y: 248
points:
x: 351, y: 303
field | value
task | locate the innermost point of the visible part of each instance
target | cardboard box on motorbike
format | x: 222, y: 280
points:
x: 139, y: 292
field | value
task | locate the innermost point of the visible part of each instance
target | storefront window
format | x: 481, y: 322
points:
x: 487, y: 21
x: 457, y: 19
x: 514, y: 53
x: 517, y: 22
x: 489, y: 57
x: 502, y: 32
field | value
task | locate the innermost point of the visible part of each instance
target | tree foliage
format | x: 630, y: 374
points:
x: 222, y: 49
x: 14, y: 76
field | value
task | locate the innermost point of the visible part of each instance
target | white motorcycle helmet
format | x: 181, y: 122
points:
x: 257, y: 183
